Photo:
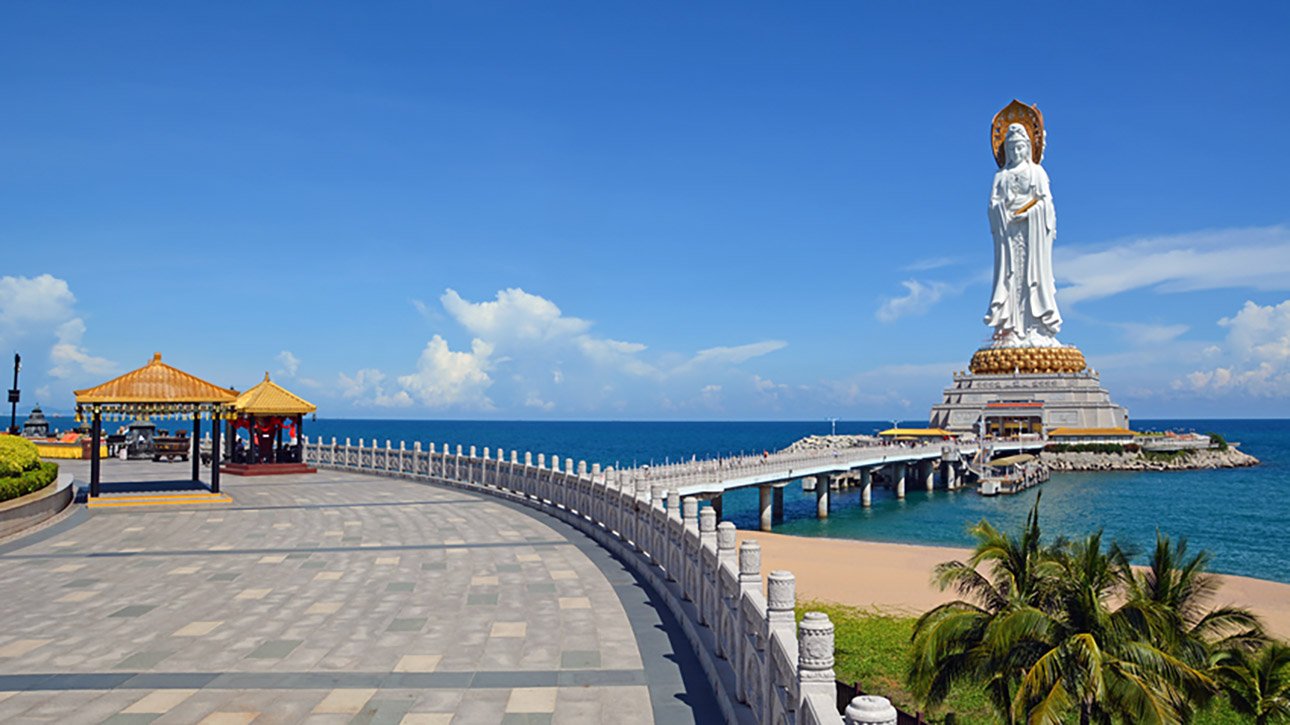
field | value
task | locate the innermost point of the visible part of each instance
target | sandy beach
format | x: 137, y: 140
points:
x: 897, y: 577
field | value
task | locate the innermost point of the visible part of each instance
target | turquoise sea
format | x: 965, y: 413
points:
x: 1240, y: 515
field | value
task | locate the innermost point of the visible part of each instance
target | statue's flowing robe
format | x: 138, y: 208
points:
x: 1034, y: 310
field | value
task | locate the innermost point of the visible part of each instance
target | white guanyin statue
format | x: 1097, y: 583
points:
x: 1023, y: 306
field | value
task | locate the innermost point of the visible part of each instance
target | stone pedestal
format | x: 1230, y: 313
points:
x: 1066, y: 400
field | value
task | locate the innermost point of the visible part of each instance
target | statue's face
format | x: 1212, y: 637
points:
x: 1018, y: 150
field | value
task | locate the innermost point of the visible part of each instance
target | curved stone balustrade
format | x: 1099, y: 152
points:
x: 762, y: 665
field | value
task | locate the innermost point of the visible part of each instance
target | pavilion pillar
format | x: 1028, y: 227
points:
x: 197, y: 445
x: 299, y: 454
x: 216, y: 453
x: 254, y: 459
x: 96, y: 432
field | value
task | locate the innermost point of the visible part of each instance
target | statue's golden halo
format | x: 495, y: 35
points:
x: 1028, y: 116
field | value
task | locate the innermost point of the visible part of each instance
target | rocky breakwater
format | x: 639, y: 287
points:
x: 824, y: 443
x: 1184, y: 460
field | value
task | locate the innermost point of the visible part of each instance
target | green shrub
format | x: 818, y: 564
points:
x: 28, y: 481
x: 17, y: 455
x: 1217, y: 441
x: 1085, y: 448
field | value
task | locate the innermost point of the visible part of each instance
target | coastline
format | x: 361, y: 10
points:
x: 896, y: 578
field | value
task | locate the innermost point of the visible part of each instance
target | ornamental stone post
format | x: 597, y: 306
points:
x: 870, y: 710
x: 707, y: 566
x: 727, y: 590
x: 815, y: 676
x: 657, y: 534
x: 781, y: 599
x: 690, y: 522
x: 747, y: 643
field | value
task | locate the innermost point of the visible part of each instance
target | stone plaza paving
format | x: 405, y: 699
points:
x: 331, y: 598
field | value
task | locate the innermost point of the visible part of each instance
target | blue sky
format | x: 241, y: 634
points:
x: 650, y: 211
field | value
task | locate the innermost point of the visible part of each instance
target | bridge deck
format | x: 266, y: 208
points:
x: 331, y: 597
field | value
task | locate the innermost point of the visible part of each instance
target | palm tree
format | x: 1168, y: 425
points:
x: 1174, y: 591
x: 957, y: 642
x: 1096, y: 663
x: 1258, y: 685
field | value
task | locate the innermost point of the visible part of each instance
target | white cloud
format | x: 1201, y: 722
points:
x: 730, y: 355
x: 445, y: 378
x: 1256, y: 257
x: 26, y: 302
x: 917, y: 300
x: 925, y: 265
x: 290, y: 363
x: 514, y: 315
x: 1140, y: 333
x: 68, y: 359
x: 1256, y: 352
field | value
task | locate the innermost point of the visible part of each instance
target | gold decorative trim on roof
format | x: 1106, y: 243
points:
x: 1089, y: 432
x: 918, y: 432
x: 156, y: 382
x: 269, y: 398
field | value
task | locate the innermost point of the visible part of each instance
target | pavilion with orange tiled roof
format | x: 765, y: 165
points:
x: 155, y: 389
x: 267, y: 411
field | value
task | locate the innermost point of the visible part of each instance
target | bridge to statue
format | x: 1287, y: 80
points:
x: 830, y: 469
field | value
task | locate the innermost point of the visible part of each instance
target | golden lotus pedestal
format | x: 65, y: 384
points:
x: 1027, y: 360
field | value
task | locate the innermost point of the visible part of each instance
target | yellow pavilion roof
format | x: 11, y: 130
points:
x: 269, y: 398
x: 917, y: 432
x: 1089, y: 432
x: 156, y: 382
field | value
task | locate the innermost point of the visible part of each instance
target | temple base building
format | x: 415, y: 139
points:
x: 1025, y: 391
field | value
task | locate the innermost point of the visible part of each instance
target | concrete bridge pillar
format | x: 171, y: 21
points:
x: 821, y: 497
x: 809, y: 483
x: 898, y: 478
x: 834, y: 482
x: 716, y: 505
x: 777, y: 502
x: 928, y: 470
x: 766, y: 508
x: 866, y: 487
x: 951, y: 476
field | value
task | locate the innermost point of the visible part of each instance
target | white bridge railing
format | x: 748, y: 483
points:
x: 763, y: 666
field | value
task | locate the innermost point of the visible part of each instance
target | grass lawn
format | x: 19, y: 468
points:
x: 872, y: 648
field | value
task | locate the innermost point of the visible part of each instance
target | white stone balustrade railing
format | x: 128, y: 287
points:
x: 763, y: 667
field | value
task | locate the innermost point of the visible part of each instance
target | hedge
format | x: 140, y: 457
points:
x: 29, y: 481
x: 17, y: 455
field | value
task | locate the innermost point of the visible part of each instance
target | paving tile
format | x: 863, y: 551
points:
x: 571, y: 659
x: 223, y: 577
x: 324, y: 608
x: 328, y: 576
x: 130, y: 719
x: 143, y: 660
x: 67, y: 568
x: 575, y: 603
x: 229, y: 718
x: 427, y: 718
x: 197, y: 629
x: 531, y: 699
x: 400, y: 587
x: 559, y: 574
x: 387, y: 560
x: 134, y: 610
x: 80, y: 583
x: 20, y: 647
x: 272, y: 559
x: 253, y: 594
x: 275, y: 649
x: 407, y: 624
x: 476, y: 581
x: 80, y: 596
x: 508, y: 629
x: 418, y: 663
x: 159, y: 701
x: 344, y: 701
x: 481, y: 599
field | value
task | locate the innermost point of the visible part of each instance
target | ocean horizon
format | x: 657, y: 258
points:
x: 1237, y: 515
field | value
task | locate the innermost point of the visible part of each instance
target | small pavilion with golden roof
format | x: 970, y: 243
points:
x: 156, y: 389
x: 267, y: 411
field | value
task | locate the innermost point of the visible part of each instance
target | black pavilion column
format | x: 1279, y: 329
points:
x: 254, y: 459
x: 96, y: 429
x: 216, y: 454
x: 197, y: 444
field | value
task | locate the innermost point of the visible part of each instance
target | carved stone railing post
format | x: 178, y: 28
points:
x: 689, y: 544
x: 727, y: 587
x: 781, y: 630
x: 747, y: 642
x: 870, y: 710
x: 815, y: 676
x: 675, y: 548
x: 708, y: 566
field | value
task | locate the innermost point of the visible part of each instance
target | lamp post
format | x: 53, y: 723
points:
x: 13, y: 396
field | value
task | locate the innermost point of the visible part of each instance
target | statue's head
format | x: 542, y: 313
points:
x: 1017, y: 144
